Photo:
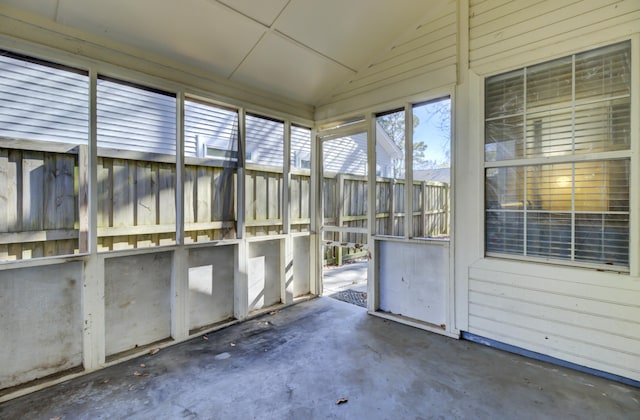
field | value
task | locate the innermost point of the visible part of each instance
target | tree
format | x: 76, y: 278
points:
x: 439, y: 113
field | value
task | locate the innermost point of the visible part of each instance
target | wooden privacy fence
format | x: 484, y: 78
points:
x: 38, y: 203
x: 345, y: 206
x: 44, y: 196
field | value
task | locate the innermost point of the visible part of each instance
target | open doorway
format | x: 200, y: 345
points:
x: 345, y: 233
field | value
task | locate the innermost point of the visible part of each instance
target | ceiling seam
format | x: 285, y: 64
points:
x: 226, y: 6
x: 313, y: 50
x: 280, y: 14
x: 248, y: 53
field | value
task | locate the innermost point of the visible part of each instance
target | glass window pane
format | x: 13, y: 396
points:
x: 602, y: 238
x: 504, y: 94
x: 504, y: 139
x: 504, y: 232
x: 603, y: 126
x: 604, y: 72
x: 549, y: 84
x: 602, y: 186
x: 504, y: 188
x: 549, y: 235
x: 549, y: 187
x: 549, y: 133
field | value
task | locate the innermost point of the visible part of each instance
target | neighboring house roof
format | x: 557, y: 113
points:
x: 433, y: 174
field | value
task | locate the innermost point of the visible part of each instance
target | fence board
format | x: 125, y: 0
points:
x: 38, y: 210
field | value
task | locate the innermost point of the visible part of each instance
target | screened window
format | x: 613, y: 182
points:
x: 300, y: 179
x: 136, y: 118
x: 136, y: 130
x: 550, y: 191
x: 264, y: 181
x: 264, y: 141
x: 44, y: 133
x: 210, y: 131
x: 390, y: 173
x: 211, y: 151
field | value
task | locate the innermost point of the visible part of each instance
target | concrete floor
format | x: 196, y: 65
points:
x: 298, y: 362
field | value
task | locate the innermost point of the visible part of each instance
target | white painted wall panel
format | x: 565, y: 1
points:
x: 137, y: 300
x: 40, y: 322
x: 413, y: 279
x: 264, y: 274
x: 301, y: 266
x: 210, y: 285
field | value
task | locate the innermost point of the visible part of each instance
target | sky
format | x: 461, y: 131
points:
x: 433, y: 130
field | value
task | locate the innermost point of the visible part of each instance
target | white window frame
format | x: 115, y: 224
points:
x: 632, y: 155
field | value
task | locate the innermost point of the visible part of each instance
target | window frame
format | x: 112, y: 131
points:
x: 629, y: 155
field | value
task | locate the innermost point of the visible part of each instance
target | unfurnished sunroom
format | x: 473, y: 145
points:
x: 159, y: 184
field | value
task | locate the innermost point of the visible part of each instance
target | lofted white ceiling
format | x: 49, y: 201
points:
x: 299, y: 49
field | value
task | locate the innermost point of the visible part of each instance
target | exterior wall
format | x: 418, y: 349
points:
x: 583, y: 316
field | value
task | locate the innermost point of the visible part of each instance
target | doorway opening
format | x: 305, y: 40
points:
x: 345, y: 233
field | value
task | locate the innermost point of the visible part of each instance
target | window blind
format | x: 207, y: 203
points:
x: 574, y: 209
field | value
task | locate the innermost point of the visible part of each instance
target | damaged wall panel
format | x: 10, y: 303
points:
x: 137, y: 301
x: 264, y: 274
x: 211, y: 273
x: 40, y: 322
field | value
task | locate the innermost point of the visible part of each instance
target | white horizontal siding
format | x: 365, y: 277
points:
x: 264, y: 141
x: 41, y: 102
x: 403, y: 68
x: 512, y: 34
x: 209, y: 125
x: 136, y: 119
x: 300, y: 146
x: 594, y: 324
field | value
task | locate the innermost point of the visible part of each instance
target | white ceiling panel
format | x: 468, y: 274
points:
x: 283, y: 67
x: 300, y: 49
x: 196, y: 32
x: 350, y: 32
x: 264, y: 11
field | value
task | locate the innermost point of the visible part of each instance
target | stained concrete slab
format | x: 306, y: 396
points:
x: 299, y: 362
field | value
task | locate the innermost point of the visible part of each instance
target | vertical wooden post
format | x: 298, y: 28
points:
x: 93, y: 304
x: 83, y: 199
x: 423, y: 213
x: 339, y: 213
x: 180, y: 265
x: 392, y: 206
